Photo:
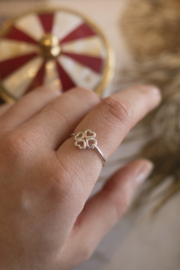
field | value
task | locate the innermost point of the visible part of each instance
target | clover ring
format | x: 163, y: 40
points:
x: 84, y: 140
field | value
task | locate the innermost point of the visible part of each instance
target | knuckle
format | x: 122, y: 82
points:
x: 117, y: 109
x: 57, y: 112
x: 16, y: 144
x: 88, y: 95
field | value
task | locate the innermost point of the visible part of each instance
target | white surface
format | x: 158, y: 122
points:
x: 35, y: 30
x: 81, y: 75
x: 64, y: 23
x: 10, y: 49
x: 90, y: 46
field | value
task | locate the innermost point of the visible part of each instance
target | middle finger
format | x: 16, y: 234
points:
x: 55, y: 122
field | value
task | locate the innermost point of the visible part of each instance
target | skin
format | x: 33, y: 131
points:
x: 46, y: 219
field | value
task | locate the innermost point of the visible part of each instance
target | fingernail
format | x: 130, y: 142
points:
x: 156, y: 91
x: 145, y: 171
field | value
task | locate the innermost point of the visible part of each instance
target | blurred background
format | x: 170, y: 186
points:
x: 145, y: 38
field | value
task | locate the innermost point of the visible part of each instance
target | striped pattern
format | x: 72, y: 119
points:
x: 81, y: 62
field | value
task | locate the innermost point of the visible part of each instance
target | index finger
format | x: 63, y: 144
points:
x: 111, y: 120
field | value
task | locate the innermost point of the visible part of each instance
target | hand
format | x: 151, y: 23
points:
x: 45, y: 181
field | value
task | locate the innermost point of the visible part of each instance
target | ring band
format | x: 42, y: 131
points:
x: 85, y: 140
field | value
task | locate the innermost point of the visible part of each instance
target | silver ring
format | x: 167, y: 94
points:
x: 85, y: 140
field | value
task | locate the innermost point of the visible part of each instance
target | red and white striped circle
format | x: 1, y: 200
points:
x: 81, y: 62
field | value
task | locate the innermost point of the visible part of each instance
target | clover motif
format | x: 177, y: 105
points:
x: 85, y: 140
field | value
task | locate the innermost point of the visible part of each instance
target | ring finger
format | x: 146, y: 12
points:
x: 58, y: 119
x: 111, y: 120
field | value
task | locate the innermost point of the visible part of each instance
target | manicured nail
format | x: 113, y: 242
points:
x: 145, y: 171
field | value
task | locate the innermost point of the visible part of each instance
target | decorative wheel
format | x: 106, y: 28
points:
x: 60, y: 49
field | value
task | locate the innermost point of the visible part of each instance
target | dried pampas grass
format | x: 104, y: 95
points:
x: 152, y: 27
x: 152, y: 32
